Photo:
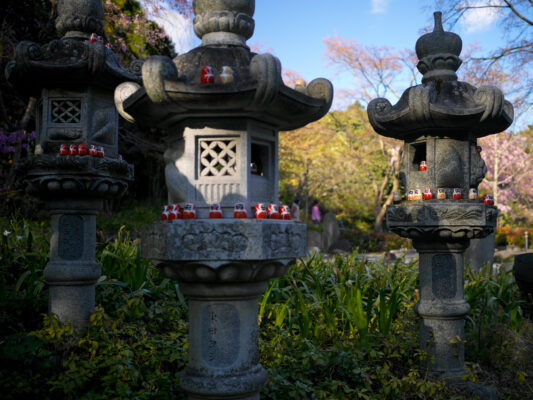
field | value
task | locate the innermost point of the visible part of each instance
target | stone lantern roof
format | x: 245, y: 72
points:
x: 256, y: 89
x: 72, y: 60
x: 441, y: 105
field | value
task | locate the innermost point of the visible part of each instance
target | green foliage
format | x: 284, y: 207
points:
x: 336, y: 329
x: 23, y: 255
x: 121, y: 260
x: 132, y: 216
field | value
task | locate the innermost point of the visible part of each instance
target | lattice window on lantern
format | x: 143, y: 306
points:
x: 66, y: 111
x: 218, y: 157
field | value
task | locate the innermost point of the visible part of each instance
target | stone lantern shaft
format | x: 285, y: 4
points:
x: 439, y: 122
x: 222, y: 107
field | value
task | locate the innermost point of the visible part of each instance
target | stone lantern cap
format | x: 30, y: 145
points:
x: 441, y: 105
x: 221, y: 78
x: 73, y: 60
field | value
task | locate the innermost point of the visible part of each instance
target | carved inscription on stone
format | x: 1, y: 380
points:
x: 443, y: 276
x: 71, y: 237
x: 220, y: 335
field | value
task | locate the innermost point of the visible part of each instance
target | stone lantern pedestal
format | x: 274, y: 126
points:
x: 439, y: 122
x: 441, y: 232
x: 222, y: 107
x: 223, y: 268
x: 74, y: 79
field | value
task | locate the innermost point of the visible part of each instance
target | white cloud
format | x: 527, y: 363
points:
x: 479, y: 19
x: 379, y: 6
x: 178, y: 28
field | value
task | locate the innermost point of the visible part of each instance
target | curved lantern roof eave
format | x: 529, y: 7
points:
x: 165, y: 100
x: 65, y: 63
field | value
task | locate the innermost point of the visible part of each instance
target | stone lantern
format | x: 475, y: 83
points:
x: 74, y: 79
x: 222, y: 107
x: 439, y: 122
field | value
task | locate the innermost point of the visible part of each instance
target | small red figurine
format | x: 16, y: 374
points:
x: 457, y: 194
x: 100, y: 151
x: 63, y: 150
x: 165, y: 214
x: 93, y: 38
x: 119, y: 157
x: 488, y: 199
x: 428, y: 194
x: 207, y: 75
x: 253, y: 169
x: 82, y: 149
x: 273, y: 211
x: 240, y: 211
x: 260, y: 211
x: 189, y: 211
x: 423, y: 166
x: 215, y: 211
x: 176, y: 211
x: 479, y: 149
x: 285, y: 212
x: 92, y: 150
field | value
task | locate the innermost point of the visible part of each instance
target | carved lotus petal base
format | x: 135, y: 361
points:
x: 447, y: 220
x: 55, y: 176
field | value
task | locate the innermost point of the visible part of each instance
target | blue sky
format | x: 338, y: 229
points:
x: 293, y: 30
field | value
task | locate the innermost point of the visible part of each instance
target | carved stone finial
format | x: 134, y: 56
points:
x: 438, y: 53
x: 79, y: 18
x: 224, y: 22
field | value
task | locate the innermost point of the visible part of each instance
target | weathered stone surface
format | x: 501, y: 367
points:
x: 331, y: 231
x: 212, y: 240
x: 314, y: 239
x: 480, y: 253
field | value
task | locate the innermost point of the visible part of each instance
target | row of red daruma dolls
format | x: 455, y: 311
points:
x: 261, y: 211
x: 457, y: 194
x: 81, y: 150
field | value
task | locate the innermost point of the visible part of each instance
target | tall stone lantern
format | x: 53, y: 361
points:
x: 74, y: 79
x: 222, y: 107
x: 439, y: 122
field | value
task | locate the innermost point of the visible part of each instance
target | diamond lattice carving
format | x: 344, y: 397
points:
x: 66, y: 111
x: 218, y: 157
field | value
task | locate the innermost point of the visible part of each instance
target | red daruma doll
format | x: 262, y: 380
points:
x: 240, y: 211
x: 175, y: 211
x: 260, y: 211
x: 423, y: 166
x: 165, y: 215
x: 428, y: 194
x: 82, y: 150
x: 273, y: 211
x: 488, y: 199
x: 215, y: 212
x: 207, y: 75
x: 285, y: 212
x: 63, y: 150
x: 93, y: 150
x: 189, y: 211
x: 457, y: 194
x: 100, y: 151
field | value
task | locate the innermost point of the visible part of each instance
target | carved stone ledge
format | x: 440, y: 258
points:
x: 443, y: 220
x: 230, y: 240
x: 78, y: 176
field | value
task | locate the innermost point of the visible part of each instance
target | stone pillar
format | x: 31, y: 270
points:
x: 223, y: 334
x: 72, y: 270
x: 442, y: 306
